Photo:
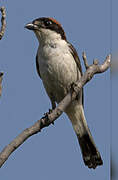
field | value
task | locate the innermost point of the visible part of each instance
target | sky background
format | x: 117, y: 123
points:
x: 114, y: 92
x: 54, y: 153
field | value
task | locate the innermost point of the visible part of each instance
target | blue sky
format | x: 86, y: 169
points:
x: 114, y: 90
x: 54, y: 153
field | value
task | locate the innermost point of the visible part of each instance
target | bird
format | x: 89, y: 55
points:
x: 58, y: 65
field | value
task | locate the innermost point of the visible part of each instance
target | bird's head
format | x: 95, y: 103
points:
x: 46, y: 28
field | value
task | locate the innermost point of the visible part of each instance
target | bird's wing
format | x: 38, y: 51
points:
x: 37, y: 65
x: 75, y: 56
x: 50, y: 95
x: 77, y: 60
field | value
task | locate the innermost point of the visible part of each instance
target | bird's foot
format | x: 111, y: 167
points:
x: 47, y: 113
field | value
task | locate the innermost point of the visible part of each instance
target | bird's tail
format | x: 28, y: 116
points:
x: 91, y: 155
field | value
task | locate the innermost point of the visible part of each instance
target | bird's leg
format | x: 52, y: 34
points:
x: 53, y: 104
x: 72, y: 87
x: 52, y: 99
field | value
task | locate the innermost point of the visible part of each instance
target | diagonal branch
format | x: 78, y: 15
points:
x: 3, y: 27
x: 54, y: 114
x: 3, y: 22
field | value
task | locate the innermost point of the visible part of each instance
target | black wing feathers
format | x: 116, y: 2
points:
x: 76, y: 57
x: 77, y: 60
x: 37, y: 66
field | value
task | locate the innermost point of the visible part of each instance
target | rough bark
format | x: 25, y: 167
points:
x: 3, y: 22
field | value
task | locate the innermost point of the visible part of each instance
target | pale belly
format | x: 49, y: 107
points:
x: 58, y: 74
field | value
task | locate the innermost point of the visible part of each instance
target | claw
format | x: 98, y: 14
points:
x: 53, y: 123
x: 50, y: 111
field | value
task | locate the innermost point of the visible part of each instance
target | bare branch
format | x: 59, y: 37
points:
x: 54, y: 114
x: 85, y: 60
x: 3, y: 26
x: 3, y: 22
x: 105, y: 65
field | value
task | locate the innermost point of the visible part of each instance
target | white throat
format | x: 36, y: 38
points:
x: 45, y: 36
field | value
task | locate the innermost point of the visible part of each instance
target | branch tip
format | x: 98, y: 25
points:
x: 108, y: 58
x: 95, y: 62
x: 85, y: 60
x: 1, y: 74
x: 84, y: 54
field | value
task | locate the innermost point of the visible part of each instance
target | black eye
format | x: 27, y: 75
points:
x: 48, y: 23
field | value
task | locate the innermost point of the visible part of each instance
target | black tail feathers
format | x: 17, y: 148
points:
x: 90, y: 154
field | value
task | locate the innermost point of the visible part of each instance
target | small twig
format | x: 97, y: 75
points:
x: 85, y: 60
x: 2, y: 30
x: 54, y: 114
x: 3, y: 22
x: 102, y: 68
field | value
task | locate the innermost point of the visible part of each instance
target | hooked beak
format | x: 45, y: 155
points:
x: 31, y: 26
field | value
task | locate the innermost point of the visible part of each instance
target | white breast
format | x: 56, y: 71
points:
x: 58, y: 69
